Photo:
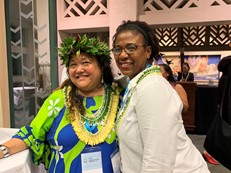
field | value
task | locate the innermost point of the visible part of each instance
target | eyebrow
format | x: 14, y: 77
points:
x: 126, y: 44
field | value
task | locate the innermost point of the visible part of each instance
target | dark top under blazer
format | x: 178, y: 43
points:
x: 189, y: 78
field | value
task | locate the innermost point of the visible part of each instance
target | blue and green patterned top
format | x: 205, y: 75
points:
x: 53, y: 141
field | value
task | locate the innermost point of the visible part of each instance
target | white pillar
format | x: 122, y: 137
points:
x: 4, y: 88
x: 126, y: 10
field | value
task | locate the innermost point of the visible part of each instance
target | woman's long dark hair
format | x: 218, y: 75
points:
x: 75, y: 98
x: 168, y: 70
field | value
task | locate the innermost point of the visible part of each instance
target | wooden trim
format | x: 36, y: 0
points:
x: 189, y: 116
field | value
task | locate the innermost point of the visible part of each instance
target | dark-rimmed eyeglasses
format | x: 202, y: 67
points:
x: 129, y: 49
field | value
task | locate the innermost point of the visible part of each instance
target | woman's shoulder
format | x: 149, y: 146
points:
x: 178, y: 86
x: 180, y: 89
x: 152, y: 82
x: 56, y: 93
x: 151, y: 79
x: 56, y: 96
x: 191, y: 75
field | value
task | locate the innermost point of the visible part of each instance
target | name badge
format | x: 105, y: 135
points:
x: 115, y: 160
x: 91, y: 160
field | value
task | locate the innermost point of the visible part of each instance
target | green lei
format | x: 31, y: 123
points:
x: 92, y: 46
x: 105, y: 119
x: 127, y: 96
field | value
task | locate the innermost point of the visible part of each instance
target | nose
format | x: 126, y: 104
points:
x: 79, y: 69
x: 123, y: 54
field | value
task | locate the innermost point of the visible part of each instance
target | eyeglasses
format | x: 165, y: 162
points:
x: 129, y: 49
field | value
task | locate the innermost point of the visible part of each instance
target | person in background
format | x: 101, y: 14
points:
x: 167, y: 74
x: 222, y: 67
x: 149, y: 125
x: 75, y: 124
x: 185, y: 75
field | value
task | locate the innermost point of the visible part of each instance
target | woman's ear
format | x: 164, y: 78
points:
x: 149, y: 51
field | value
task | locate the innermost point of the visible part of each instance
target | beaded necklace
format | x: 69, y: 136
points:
x: 129, y: 91
x: 98, y: 117
x: 186, y: 78
x: 105, y: 122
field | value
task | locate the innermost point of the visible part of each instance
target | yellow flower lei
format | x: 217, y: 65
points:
x: 103, y: 130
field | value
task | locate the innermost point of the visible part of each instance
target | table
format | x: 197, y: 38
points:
x: 18, y: 93
x: 20, y: 162
x: 189, y: 116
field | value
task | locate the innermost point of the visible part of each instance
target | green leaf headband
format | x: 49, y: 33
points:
x: 92, y: 46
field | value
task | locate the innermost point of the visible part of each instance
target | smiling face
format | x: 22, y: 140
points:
x: 185, y: 69
x: 130, y: 64
x: 85, y: 73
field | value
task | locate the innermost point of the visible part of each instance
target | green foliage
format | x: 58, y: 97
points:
x: 92, y: 46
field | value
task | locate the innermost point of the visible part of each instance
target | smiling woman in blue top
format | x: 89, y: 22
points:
x: 73, y: 131
x: 151, y: 133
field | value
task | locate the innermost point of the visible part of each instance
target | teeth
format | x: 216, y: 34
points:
x: 125, y: 65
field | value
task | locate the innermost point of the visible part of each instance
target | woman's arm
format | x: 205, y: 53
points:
x: 30, y: 135
x: 183, y: 96
x: 14, y: 145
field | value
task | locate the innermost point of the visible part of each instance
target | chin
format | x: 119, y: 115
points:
x: 126, y: 73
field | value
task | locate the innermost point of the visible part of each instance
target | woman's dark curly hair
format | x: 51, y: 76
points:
x: 146, y: 31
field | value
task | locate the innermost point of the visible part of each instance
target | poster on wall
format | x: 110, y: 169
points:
x: 173, y: 62
x: 204, y: 67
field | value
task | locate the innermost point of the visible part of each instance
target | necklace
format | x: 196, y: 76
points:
x: 97, y: 117
x: 184, y: 79
x: 129, y: 91
x: 105, y: 123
